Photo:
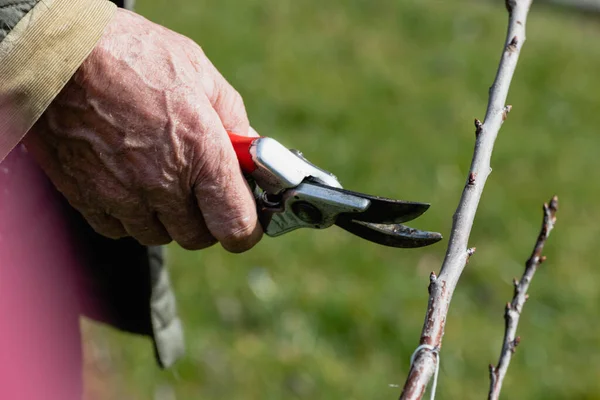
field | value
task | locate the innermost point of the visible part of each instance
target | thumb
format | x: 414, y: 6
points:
x: 252, y: 132
x: 229, y: 105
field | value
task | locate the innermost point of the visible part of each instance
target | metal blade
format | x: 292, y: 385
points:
x: 383, y: 210
x: 392, y: 235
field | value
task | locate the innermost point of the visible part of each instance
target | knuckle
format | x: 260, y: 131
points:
x: 109, y: 231
x: 105, y: 225
x: 229, y: 104
x: 153, y: 239
x: 241, y: 235
x: 236, y: 99
x: 239, y: 117
x: 147, y: 232
x: 197, y: 244
x: 214, y: 174
x: 193, y: 236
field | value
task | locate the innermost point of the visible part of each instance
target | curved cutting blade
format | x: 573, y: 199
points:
x: 383, y: 210
x: 392, y: 235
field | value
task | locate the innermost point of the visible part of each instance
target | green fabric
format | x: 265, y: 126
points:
x: 166, y: 325
x: 126, y: 285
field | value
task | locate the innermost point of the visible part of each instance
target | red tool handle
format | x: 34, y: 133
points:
x: 241, y: 145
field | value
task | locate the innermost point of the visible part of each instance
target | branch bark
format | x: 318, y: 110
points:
x: 442, y: 287
x: 514, y: 308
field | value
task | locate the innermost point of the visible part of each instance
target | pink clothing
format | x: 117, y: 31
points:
x: 40, y: 344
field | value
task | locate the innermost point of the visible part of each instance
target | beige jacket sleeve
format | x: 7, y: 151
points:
x: 40, y: 55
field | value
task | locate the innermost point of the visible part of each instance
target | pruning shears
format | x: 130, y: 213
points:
x: 292, y: 193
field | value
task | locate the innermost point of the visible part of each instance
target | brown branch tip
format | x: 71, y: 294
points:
x: 514, y: 308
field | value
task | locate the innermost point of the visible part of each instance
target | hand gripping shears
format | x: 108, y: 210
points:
x: 292, y: 193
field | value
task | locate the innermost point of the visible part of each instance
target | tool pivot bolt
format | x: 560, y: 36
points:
x: 307, y: 212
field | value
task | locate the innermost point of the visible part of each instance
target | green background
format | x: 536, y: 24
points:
x: 383, y: 93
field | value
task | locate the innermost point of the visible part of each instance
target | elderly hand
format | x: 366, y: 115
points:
x: 137, y: 142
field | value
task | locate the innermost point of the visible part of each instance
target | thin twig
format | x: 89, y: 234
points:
x: 442, y: 287
x: 514, y: 308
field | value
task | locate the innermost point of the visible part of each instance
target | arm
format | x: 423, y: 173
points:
x: 135, y: 136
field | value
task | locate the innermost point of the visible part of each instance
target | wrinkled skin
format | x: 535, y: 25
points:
x: 137, y: 142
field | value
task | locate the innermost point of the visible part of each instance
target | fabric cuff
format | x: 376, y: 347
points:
x: 40, y: 55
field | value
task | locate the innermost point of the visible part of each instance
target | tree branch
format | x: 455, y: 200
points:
x: 514, y: 308
x: 442, y: 287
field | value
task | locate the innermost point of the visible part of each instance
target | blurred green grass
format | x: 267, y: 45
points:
x: 384, y: 95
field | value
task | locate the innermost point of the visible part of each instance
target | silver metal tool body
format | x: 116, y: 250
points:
x: 293, y: 193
